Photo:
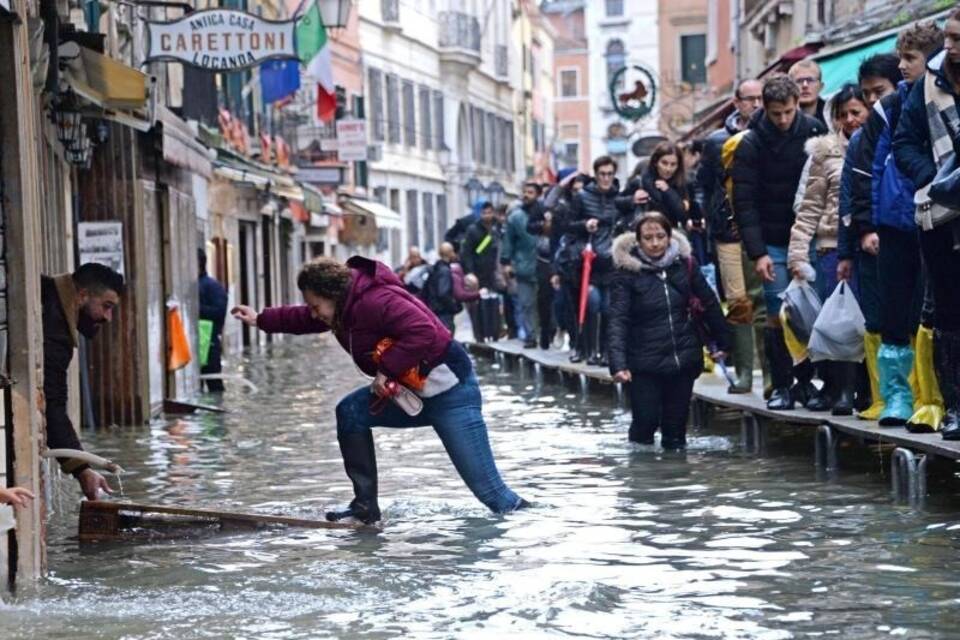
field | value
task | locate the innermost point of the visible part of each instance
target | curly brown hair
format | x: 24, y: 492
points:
x: 327, y: 278
x: 925, y: 37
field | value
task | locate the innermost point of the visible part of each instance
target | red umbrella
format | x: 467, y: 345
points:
x: 588, y: 258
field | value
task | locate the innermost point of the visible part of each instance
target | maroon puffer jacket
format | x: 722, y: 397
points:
x: 377, y: 307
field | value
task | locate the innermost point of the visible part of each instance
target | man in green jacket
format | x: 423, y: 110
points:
x: 518, y: 256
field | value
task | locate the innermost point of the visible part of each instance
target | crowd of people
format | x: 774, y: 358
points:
x: 829, y: 191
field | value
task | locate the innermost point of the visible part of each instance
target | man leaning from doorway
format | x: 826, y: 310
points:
x: 73, y: 305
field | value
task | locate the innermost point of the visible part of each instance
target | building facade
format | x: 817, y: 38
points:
x: 620, y: 35
x: 571, y: 73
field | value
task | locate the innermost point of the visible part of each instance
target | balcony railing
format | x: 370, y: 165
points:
x: 501, y: 61
x: 459, y: 31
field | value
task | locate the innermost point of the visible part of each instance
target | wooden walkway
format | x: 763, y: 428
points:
x: 710, y: 392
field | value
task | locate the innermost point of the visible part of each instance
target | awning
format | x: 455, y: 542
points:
x: 106, y: 82
x: 384, y: 216
x: 239, y: 175
x: 180, y: 146
x: 290, y: 192
x: 842, y: 67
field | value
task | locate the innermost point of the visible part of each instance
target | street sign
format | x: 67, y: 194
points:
x: 101, y: 242
x: 220, y: 40
x: 352, y: 140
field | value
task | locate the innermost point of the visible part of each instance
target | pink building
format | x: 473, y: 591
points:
x: 571, y: 64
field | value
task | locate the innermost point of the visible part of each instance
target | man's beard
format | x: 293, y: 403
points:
x: 86, y: 325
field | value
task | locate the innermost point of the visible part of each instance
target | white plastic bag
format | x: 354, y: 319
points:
x: 839, y: 329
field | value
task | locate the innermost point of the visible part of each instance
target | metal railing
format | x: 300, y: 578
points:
x: 459, y: 31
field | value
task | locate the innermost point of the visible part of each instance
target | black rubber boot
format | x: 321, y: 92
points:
x: 824, y: 399
x: 592, y: 339
x: 781, y: 369
x: 804, y: 391
x: 946, y: 358
x: 845, y: 384
x: 360, y: 462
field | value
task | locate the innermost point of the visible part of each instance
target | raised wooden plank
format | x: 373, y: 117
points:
x: 179, y: 407
x: 102, y: 521
x: 713, y: 389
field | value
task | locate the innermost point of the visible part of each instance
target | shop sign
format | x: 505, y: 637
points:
x: 220, y: 40
x: 352, y: 140
x: 101, y: 242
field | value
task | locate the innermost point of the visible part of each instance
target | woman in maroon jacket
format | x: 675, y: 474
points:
x: 363, y: 302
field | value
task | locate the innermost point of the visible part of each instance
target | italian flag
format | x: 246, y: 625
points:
x: 313, y: 49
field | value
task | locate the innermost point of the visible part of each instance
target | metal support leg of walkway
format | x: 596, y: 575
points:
x: 826, y: 447
x: 751, y: 433
x: 909, y: 476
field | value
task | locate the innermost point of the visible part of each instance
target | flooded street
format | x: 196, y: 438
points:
x: 624, y: 542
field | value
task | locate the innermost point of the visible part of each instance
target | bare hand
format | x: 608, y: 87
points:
x: 718, y: 356
x: 245, y: 314
x: 16, y: 496
x: 662, y: 185
x: 845, y: 270
x: 797, y: 269
x: 765, y: 270
x: 555, y: 281
x: 870, y: 243
x: 592, y: 225
x: 547, y: 217
x: 484, y: 291
x: 379, y: 386
x: 641, y: 197
x: 92, y: 483
x: 623, y: 376
x: 507, y: 271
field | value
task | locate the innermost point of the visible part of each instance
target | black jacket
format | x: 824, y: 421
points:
x: 591, y: 202
x: 458, y: 231
x: 711, y: 176
x: 438, y: 291
x: 669, y: 202
x: 651, y: 330
x: 213, y: 305
x: 59, y: 341
x: 479, y: 257
x: 766, y: 172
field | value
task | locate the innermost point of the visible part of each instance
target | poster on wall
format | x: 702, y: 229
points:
x: 102, y: 242
x: 352, y: 140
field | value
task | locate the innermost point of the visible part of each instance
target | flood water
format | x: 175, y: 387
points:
x: 624, y: 541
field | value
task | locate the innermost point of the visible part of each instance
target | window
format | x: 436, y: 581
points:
x: 360, y: 173
x: 376, y: 104
x: 393, y: 109
x: 426, y: 123
x: 571, y: 154
x: 570, y: 131
x: 395, y: 200
x: 409, y: 115
x: 693, y: 59
x: 537, y: 142
x: 614, y: 8
x: 429, y: 228
x: 413, y: 220
x: 380, y: 195
x: 569, y: 83
x: 616, y: 56
x: 491, y: 131
x: 511, y: 158
x: 443, y: 220
x: 438, y: 118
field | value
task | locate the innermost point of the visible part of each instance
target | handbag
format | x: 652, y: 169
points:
x: 939, y: 202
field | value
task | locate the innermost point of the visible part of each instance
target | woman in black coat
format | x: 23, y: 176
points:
x: 661, y: 186
x: 654, y: 343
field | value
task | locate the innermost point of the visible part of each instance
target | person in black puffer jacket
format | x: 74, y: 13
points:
x: 766, y: 172
x: 661, y: 187
x: 593, y: 217
x: 654, y: 343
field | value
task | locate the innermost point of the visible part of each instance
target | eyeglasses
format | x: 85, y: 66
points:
x: 806, y: 80
x: 606, y: 174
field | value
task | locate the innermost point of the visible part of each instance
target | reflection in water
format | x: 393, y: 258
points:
x: 624, y: 541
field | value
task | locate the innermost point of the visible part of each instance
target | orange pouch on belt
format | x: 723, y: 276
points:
x: 411, y: 378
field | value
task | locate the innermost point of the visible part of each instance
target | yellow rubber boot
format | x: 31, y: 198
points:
x: 914, y: 379
x: 929, y: 413
x: 871, y: 346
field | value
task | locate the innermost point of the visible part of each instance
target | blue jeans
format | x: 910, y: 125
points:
x: 525, y: 309
x: 456, y: 415
x: 773, y: 290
